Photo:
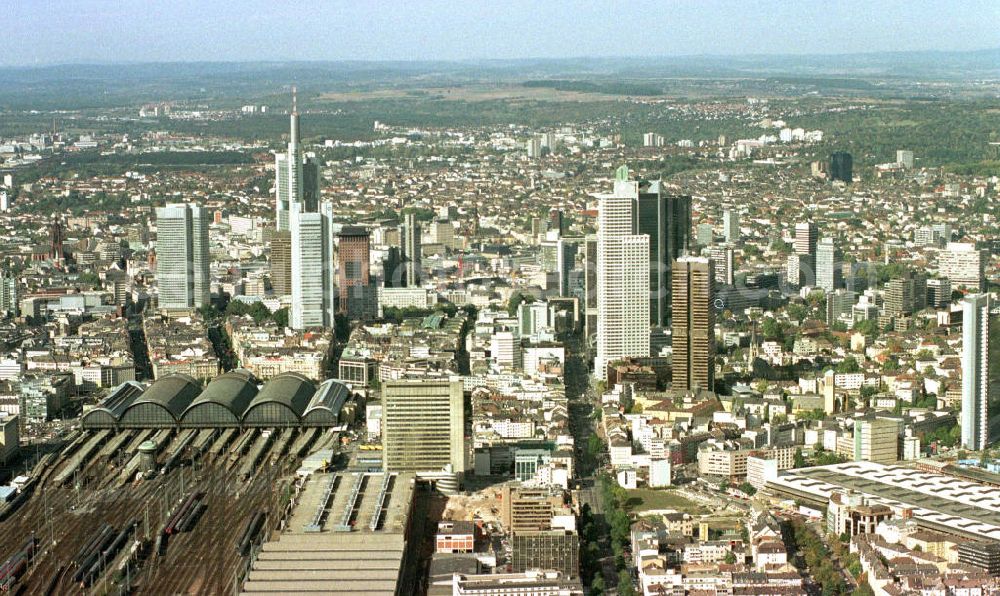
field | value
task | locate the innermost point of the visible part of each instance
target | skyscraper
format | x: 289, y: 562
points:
x: 980, y: 371
x: 666, y: 219
x: 411, y: 250
x: 423, y: 425
x: 839, y: 305
x: 357, y: 295
x: 182, y: 258
x: 963, y: 265
x: 312, y: 272
x: 392, y: 268
x: 904, y: 158
x: 8, y: 294
x: 622, y: 277
x: 876, y: 440
x: 806, y: 236
x: 281, y: 263
x: 556, y: 221
x: 829, y: 266
x: 566, y: 262
x: 905, y: 295
x: 693, y: 327
x: 296, y: 179
x: 590, y: 289
x: 731, y: 226
x: 723, y: 259
x: 841, y: 167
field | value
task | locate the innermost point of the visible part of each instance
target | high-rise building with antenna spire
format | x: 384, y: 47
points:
x: 288, y: 171
x: 305, y: 229
x: 296, y: 177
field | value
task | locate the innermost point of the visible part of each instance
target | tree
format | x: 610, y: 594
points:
x: 848, y: 365
x: 797, y: 312
x: 772, y: 329
x: 868, y: 328
x: 515, y: 301
x: 625, y: 587
x: 780, y: 246
x: 730, y: 558
x: 597, y: 586
x: 281, y: 317
x: 748, y: 489
x: 814, y: 414
x: 799, y: 460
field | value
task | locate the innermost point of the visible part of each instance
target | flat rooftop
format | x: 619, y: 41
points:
x: 346, y: 535
x: 940, y: 502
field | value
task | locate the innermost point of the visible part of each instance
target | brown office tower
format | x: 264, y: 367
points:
x: 357, y: 295
x: 693, y: 323
x: 281, y: 263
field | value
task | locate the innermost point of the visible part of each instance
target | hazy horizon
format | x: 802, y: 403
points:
x: 49, y: 32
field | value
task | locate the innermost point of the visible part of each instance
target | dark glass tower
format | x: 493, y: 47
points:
x: 666, y: 219
x: 841, y: 166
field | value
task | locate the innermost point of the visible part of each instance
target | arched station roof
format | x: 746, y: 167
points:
x: 162, y: 404
x: 107, y: 413
x: 324, y: 407
x: 282, y: 401
x: 223, y: 401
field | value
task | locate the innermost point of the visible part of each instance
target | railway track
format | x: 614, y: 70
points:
x: 64, y: 516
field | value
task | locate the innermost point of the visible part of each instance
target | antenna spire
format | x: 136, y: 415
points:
x: 295, y: 100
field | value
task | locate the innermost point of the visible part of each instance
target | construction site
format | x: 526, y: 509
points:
x: 165, y: 509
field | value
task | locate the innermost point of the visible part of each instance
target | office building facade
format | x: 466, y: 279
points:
x: 312, y: 267
x: 411, y: 250
x: 622, y: 277
x: 876, y: 440
x: 423, y: 426
x: 731, y: 226
x: 356, y: 292
x: 281, y: 263
x: 842, y: 167
x: 296, y: 178
x: 964, y: 265
x: 829, y: 266
x: 182, y: 259
x: 666, y: 219
x: 980, y: 371
x: 693, y: 326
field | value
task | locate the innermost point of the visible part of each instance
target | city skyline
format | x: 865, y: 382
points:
x: 494, y: 317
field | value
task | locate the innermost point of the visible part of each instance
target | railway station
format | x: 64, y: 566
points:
x: 162, y: 474
x: 232, y: 400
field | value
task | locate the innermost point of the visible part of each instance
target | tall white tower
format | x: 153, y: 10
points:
x: 312, y: 267
x: 622, y: 277
x: 980, y: 371
x: 182, y: 257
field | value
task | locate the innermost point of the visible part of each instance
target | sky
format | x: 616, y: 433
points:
x: 41, y: 32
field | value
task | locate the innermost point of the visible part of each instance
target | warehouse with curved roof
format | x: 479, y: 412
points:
x: 162, y: 404
x: 223, y: 401
x: 282, y: 401
x: 325, y: 405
